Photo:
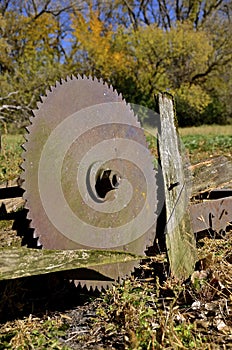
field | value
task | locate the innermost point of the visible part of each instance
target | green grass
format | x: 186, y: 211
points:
x: 205, y: 146
x: 202, y: 142
x: 207, y: 141
x: 10, y: 157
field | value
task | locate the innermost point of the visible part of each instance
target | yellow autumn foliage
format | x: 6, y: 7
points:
x: 100, y: 43
x: 4, y: 45
x: 151, y: 59
x: 194, y: 96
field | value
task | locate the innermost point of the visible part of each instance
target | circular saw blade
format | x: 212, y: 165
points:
x: 88, y: 174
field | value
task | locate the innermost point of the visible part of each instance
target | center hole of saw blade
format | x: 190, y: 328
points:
x: 106, y: 180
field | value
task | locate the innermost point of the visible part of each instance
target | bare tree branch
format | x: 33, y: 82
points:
x: 13, y: 107
x: 9, y: 95
x: 131, y: 14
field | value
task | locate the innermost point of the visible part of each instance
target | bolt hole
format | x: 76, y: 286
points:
x: 106, y: 181
x: 115, y: 181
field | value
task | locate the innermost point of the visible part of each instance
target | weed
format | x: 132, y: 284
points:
x: 208, y: 143
x: 31, y: 334
x: 145, y: 318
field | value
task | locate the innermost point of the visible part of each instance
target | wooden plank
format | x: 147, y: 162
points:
x: 24, y: 262
x: 211, y: 174
x: 11, y: 195
x: 180, y: 241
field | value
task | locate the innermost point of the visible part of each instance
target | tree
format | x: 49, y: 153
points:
x: 150, y: 59
x: 31, y: 34
x: 138, y: 46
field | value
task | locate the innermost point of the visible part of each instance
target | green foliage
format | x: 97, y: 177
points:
x: 213, y: 144
x: 191, y: 102
x: 143, y: 62
x: 214, y: 113
x: 186, y: 333
x: 33, y: 64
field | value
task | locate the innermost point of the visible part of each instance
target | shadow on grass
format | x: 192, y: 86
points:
x: 40, y: 294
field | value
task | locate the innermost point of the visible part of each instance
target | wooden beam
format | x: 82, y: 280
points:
x: 211, y: 174
x: 24, y: 262
x: 180, y: 239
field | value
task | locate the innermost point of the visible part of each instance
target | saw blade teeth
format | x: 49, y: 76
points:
x: 87, y: 286
x: 69, y: 78
x: 55, y: 85
x: 23, y: 165
x: 101, y: 81
x: 31, y: 118
x: 26, y: 136
x: 38, y: 106
x: 83, y: 77
x: 138, y: 125
x: 34, y: 112
x: 93, y: 286
x: 24, y: 147
x: 44, y: 97
x: 38, y: 242
x: 120, y: 96
x: 41, y: 101
x: 51, y: 89
x: 35, y: 234
x: 79, y: 77
x: 136, y: 117
x: 28, y: 129
x: 63, y: 81
x: 110, y: 87
x: 96, y: 79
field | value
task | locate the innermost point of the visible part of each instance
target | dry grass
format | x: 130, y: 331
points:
x: 33, y: 333
x: 207, y: 130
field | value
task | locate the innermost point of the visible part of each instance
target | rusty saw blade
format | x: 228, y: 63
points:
x: 88, y: 175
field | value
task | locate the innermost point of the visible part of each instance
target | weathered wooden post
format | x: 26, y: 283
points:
x: 180, y: 239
